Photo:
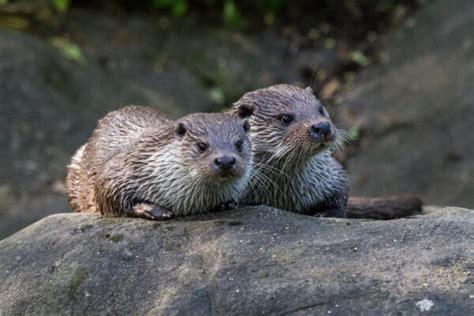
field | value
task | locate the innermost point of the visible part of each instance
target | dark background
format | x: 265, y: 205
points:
x: 396, y: 74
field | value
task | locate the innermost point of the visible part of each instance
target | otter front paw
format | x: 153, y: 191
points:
x: 151, y: 212
x: 226, y: 206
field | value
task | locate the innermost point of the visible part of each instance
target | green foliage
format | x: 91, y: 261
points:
x: 14, y: 22
x: 361, y: 15
x: 68, y: 49
x: 178, y: 8
x: 354, y: 134
x: 360, y: 58
x: 237, y: 14
x: 270, y: 9
x: 231, y: 10
x: 232, y: 15
x: 60, y: 5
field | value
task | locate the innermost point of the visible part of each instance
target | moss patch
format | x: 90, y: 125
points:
x: 83, y: 228
x: 79, y: 277
x: 116, y: 238
x: 113, y: 238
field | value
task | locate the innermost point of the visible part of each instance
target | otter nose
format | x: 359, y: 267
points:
x: 321, y: 129
x: 225, y: 162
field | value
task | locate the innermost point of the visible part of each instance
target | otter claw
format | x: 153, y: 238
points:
x: 152, y: 212
x: 159, y: 214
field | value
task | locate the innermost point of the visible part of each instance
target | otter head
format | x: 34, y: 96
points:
x: 286, y: 121
x: 214, y: 146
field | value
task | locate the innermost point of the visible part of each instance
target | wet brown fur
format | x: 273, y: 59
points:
x: 292, y: 171
x: 137, y: 155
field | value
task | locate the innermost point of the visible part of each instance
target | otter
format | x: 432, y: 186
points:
x: 292, y: 136
x: 140, y: 163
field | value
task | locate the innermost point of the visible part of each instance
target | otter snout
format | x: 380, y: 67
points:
x: 225, y: 162
x: 321, y: 131
x: 226, y: 165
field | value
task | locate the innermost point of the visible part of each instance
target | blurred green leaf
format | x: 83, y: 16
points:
x: 232, y: 15
x: 354, y: 134
x: 68, y: 49
x: 60, y: 5
x: 180, y: 8
x: 2, y: 2
x: 360, y: 58
x: 217, y: 95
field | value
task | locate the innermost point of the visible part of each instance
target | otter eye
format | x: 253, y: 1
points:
x: 321, y: 110
x: 238, y: 145
x: 201, y: 147
x: 286, y: 119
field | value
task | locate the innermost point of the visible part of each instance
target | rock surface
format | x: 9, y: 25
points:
x: 250, y: 261
x: 417, y: 110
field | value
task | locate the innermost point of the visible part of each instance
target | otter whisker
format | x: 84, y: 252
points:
x: 271, y: 182
x: 263, y: 186
x: 269, y: 188
x: 271, y: 169
x: 287, y: 154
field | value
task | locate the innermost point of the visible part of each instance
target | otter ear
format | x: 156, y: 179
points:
x: 180, y: 129
x: 244, y: 110
x: 246, y: 126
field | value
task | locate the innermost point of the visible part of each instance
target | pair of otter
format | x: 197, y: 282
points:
x: 272, y: 147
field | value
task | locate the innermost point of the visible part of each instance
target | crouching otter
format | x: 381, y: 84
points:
x: 140, y: 163
x: 292, y: 136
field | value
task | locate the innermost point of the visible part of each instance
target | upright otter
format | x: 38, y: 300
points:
x: 140, y: 163
x: 292, y: 135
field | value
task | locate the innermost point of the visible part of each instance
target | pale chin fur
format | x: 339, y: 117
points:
x: 188, y: 192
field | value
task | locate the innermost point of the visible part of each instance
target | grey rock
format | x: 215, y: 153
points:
x: 248, y: 261
x: 418, y: 110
